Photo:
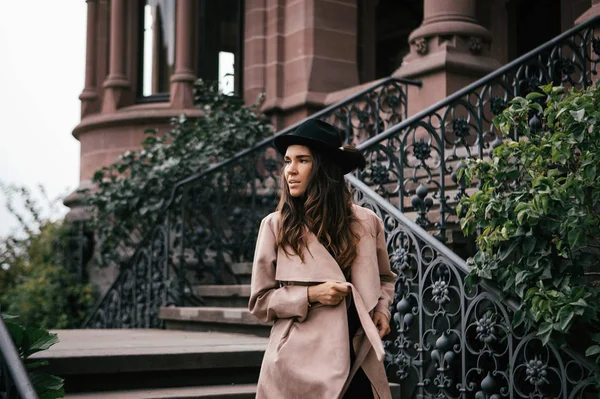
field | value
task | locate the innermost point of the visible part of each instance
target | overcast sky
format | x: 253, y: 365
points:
x: 42, y: 64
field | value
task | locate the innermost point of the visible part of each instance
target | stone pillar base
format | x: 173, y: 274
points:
x: 448, y: 67
x: 592, y: 12
x: 182, y: 90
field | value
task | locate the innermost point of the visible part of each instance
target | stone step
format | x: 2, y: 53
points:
x: 93, y: 361
x: 234, y: 391
x: 223, y: 295
x: 240, y: 391
x: 213, y: 319
x: 243, y: 271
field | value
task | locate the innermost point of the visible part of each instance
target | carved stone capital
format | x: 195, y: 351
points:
x: 421, y: 45
x: 475, y: 45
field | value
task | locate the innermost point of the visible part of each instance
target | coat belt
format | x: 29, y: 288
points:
x: 367, y: 324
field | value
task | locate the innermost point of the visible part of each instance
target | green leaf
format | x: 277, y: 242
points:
x: 574, y: 237
x: 47, y: 386
x: 37, y: 340
x: 544, y: 332
x: 519, y: 317
x: 578, y: 115
x: 593, y: 350
x: 521, y: 215
x: 534, y: 95
x: 565, y: 317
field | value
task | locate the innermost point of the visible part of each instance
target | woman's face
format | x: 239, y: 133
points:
x: 298, y: 163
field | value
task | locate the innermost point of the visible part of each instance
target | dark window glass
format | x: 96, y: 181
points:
x: 383, y: 30
x: 157, y: 61
x: 220, y: 44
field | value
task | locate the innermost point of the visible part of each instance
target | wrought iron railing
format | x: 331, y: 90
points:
x: 14, y: 381
x: 448, y: 341
x: 212, y: 218
x: 413, y: 165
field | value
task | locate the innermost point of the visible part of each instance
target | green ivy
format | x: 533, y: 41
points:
x: 536, y: 213
x: 131, y: 193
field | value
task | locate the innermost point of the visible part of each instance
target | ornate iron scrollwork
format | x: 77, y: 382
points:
x: 448, y: 341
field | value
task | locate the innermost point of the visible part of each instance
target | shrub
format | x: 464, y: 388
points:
x: 35, y: 283
x: 537, y: 212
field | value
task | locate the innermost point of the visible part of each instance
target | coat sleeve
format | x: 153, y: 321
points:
x: 386, y: 276
x: 268, y: 301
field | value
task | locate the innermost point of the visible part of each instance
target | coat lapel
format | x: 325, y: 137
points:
x: 319, y: 265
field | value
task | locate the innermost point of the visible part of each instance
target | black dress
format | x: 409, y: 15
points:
x: 360, y: 386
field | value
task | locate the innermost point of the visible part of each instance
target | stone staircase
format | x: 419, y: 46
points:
x: 150, y: 363
x: 225, y: 310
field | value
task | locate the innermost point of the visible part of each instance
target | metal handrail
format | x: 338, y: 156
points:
x: 8, y: 351
x: 478, y: 83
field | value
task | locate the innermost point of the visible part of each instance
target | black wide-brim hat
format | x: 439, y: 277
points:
x: 326, y: 139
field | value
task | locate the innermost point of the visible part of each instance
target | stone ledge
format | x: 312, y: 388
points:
x: 242, y: 268
x: 116, y: 351
x: 237, y: 391
x: 210, y: 315
x: 238, y: 290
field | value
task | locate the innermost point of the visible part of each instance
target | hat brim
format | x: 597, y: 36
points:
x: 346, y: 160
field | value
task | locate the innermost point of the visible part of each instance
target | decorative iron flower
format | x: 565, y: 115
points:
x: 531, y: 84
x: 363, y: 116
x: 270, y: 164
x: 536, y: 372
x: 460, y: 127
x: 402, y: 362
x: 486, y: 329
x: 379, y: 174
x: 440, y: 292
x: 399, y: 259
x: 422, y: 150
x: 566, y: 66
x: 497, y: 105
x: 393, y: 101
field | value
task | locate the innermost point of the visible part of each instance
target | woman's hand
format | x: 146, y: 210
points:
x: 382, y: 323
x: 328, y: 293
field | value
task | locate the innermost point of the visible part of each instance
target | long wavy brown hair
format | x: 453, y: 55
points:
x: 325, y: 209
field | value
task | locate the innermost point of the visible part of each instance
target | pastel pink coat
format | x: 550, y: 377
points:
x: 308, y: 351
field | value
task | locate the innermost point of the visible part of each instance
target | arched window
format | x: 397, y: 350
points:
x: 157, y: 55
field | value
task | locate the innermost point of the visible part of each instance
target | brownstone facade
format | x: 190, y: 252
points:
x: 144, y: 55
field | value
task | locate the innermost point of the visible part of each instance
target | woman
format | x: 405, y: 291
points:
x: 321, y: 273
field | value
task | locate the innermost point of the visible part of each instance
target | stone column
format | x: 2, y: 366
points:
x: 117, y: 81
x: 448, y: 51
x: 182, y: 81
x: 593, y: 11
x: 311, y: 52
x: 255, y: 34
x: 89, y: 95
